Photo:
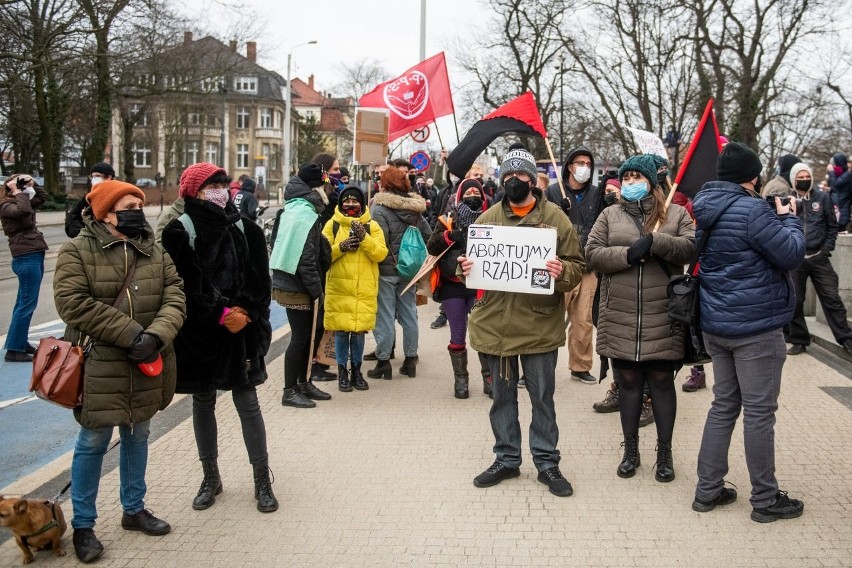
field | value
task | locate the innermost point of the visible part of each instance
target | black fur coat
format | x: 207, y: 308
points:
x: 228, y: 267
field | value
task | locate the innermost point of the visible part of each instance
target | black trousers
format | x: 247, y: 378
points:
x: 251, y: 420
x: 818, y: 268
x: 297, y: 355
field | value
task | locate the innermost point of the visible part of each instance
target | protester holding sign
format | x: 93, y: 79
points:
x: 506, y: 325
x: 634, y: 330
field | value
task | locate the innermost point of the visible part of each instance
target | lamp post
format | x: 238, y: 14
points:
x: 224, y: 90
x: 287, y: 112
x: 561, y: 109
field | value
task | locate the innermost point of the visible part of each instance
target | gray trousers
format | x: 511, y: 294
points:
x: 747, y: 375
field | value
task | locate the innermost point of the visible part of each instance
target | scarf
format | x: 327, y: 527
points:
x: 296, y: 222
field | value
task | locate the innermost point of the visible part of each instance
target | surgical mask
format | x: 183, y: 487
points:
x: 634, y: 191
x: 582, y: 174
x: 217, y: 196
x: 130, y: 222
x: 474, y: 203
x: 803, y: 184
x: 97, y: 180
x: 610, y: 199
x: 516, y: 190
x: 30, y: 192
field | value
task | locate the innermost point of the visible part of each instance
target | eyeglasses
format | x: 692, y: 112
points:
x: 577, y: 163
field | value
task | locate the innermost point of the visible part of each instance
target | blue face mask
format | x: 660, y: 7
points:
x: 634, y: 191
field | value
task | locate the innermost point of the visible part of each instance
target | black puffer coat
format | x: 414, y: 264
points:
x: 228, y: 267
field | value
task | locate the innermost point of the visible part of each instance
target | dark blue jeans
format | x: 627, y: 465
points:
x: 29, y: 268
x: 349, y: 344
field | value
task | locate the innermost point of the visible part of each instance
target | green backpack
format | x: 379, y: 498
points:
x: 412, y: 253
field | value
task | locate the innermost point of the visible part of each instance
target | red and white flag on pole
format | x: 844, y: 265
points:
x: 415, y: 98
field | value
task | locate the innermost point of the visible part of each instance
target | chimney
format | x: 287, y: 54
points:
x: 251, y: 51
x: 311, y: 82
x: 233, y: 45
x: 187, y: 37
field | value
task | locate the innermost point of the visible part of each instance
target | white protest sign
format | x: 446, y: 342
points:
x: 649, y: 143
x: 510, y: 259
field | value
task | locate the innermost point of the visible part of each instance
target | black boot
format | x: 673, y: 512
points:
x: 294, y: 397
x: 628, y: 465
x: 459, y: 361
x: 409, y: 367
x: 266, y: 501
x: 358, y: 379
x: 664, y: 468
x: 86, y: 545
x: 310, y: 390
x: 320, y: 372
x: 486, y: 376
x: 382, y: 370
x: 343, y: 383
x: 211, y: 486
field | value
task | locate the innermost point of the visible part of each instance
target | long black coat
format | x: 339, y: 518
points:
x: 228, y: 267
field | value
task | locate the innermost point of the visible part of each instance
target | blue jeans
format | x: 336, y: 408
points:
x: 86, y: 470
x: 349, y: 345
x: 747, y: 375
x: 392, y: 306
x: 29, y: 268
x: 540, y: 373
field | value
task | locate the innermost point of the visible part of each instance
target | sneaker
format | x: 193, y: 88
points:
x: 320, y: 373
x: 495, y: 473
x: 796, y: 349
x: 696, y: 380
x: 609, y: 402
x: 145, y: 522
x: 557, y: 483
x: 440, y: 321
x: 647, y: 415
x: 86, y: 545
x: 847, y: 345
x: 725, y: 497
x: 584, y: 376
x: 782, y: 508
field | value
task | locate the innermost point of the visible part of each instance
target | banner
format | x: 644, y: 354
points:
x: 415, y: 98
x: 510, y: 259
x: 648, y: 142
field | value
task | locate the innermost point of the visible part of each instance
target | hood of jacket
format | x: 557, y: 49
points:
x: 298, y: 189
x: 840, y: 160
x: 573, y: 153
x: 408, y: 206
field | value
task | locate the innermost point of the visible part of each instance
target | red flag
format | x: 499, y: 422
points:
x: 699, y: 166
x: 518, y: 115
x: 415, y: 98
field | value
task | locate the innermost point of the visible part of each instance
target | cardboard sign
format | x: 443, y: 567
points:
x: 326, y: 352
x: 648, y: 142
x: 510, y: 259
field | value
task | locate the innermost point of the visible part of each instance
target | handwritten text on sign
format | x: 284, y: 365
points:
x: 510, y: 259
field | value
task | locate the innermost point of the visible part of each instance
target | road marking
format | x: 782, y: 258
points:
x: 48, y: 324
x: 14, y: 401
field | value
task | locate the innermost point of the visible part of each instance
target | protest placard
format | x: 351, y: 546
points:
x: 510, y: 259
x: 648, y: 142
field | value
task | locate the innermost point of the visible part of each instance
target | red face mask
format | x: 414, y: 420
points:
x: 352, y: 210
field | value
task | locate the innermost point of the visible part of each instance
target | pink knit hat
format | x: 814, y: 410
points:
x: 195, y: 175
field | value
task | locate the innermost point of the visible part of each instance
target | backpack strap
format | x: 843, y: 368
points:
x: 189, y: 226
x: 335, y: 226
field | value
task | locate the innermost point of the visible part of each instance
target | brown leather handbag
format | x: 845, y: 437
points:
x: 58, y: 364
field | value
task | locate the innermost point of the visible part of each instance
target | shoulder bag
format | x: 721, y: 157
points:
x: 683, y: 308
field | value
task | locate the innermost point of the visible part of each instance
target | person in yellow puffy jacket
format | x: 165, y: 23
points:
x: 352, y: 284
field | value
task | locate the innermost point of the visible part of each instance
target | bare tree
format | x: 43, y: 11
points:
x: 361, y: 77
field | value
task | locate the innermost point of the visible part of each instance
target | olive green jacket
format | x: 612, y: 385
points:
x: 90, y: 271
x: 512, y: 323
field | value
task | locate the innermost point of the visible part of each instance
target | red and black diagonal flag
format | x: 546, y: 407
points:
x: 519, y: 115
x: 699, y: 166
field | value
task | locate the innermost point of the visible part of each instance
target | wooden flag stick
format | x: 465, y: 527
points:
x: 558, y: 173
x: 672, y: 189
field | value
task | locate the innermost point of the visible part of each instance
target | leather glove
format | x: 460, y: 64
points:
x: 565, y: 204
x: 144, y: 348
x: 639, y: 249
x: 236, y: 319
x: 358, y: 230
x: 456, y: 235
x: 349, y: 245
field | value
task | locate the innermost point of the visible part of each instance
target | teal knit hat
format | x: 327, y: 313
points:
x: 645, y: 164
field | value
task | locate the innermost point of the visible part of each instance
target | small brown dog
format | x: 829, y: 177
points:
x: 37, y: 525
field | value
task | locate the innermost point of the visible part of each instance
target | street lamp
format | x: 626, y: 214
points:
x: 287, y: 111
x: 224, y: 90
x: 561, y: 110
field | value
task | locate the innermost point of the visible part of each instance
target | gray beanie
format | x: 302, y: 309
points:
x: 518, y: 159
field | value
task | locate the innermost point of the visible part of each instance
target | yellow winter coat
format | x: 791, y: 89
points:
x: 352, y: 285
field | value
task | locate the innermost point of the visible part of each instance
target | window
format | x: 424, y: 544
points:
x: 141, y: 115
x: 242, y: 117
x: 273, y: 157
x: 212, y: 153
x: 193, y: 118
x: 310, y: 114
x: 192, y: 152
x: 147, y: 80
x: 264, y: 150
x: 141, y: 155
x: 212, y: 119
x: 212, y: 84
x: 242, y: 155
x: 245, y: 84
x: 266, y: 118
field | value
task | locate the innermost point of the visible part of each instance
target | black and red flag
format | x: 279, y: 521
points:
x: 520, y: 115
x: 699, y: 165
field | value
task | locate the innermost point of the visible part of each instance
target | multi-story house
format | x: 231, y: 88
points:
x: 332, y: 115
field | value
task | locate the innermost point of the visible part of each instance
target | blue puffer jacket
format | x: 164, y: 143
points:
x: 744, y: 270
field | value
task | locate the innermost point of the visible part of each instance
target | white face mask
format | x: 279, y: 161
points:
x: 582, y: 174
x: 30, y: 192
x: 96, y: 180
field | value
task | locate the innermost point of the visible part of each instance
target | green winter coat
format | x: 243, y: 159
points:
x: 90, y: 270
x: 511, y: 323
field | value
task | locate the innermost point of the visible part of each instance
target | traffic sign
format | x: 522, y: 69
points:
x: 420, y: 160
x: 420, y: 135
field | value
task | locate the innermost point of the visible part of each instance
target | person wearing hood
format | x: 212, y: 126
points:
x: 746, y: 297
x: 333, y: 183
x: 510, y: 326
x: 780, y: 183
x: 840, y: 182
x: 582, y: 204
x: 636, y: 260
x: 101, y: 171
x: 456, y: 298
x: 245, y: 199
x: 820, y: 226
x: 395, y: 209
x: 129, y: 374
x: 301, y: 257
x: 352, y: 285
x: 223, y: 343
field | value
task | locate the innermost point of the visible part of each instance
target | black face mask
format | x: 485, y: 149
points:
x: 131, y: 222
x: 757, y: 185
x: 516, y: 189
x: 473, y: 202
x: 803, y: 184
x: 610, y: 199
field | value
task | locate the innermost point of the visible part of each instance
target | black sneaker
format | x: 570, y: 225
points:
x: 146, y: 523
x: 584, y: 377
x: 86, y: 545
x: 782, y: 508
x: 725, y: 497
x: 496, y: 473
x: 796, y: 349
x: 320, y: 373
x: 17, y: 357
x: 557, y: 483
x: 440, y: 321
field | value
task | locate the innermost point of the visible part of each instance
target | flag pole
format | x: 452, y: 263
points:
x: 438, y: 132
x: 455, y: 122
x: 672, y: 188
x: 555, y: 168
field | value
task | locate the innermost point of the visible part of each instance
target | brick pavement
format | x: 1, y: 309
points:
x: 384, y: 478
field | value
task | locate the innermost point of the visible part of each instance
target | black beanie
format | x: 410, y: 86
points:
x: 738, y: 163
x: 103, y: 168
x: 311, y: 174
x: 785, y: 164
x: 355, y: 192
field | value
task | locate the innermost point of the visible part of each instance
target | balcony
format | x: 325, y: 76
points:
x: 268, y: 133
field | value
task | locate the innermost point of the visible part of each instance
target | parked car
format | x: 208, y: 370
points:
x: 146, y: 182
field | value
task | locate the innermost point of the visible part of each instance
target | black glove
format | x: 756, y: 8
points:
x: 826, y: 252
x: 565, y: 204
x: 144, y: 348
x: 639, y: 249
x: 456, y: 235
